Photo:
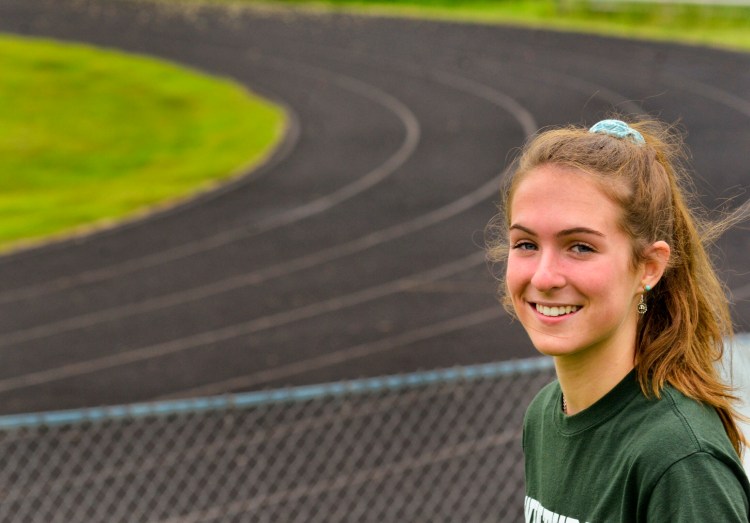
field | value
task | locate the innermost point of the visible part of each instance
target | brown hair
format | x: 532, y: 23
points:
x: 682, y: 336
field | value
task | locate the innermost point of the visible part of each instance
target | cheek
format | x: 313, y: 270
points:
x: 518, y: 273
x: 603, y: 282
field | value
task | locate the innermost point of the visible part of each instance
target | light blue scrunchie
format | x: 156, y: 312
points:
x: 618, y: 129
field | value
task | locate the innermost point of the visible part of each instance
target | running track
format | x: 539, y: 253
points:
x: 356, y: 250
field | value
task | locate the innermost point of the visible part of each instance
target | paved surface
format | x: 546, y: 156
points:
x: 356, y: 250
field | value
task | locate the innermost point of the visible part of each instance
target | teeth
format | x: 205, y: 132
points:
x: 556, y: 311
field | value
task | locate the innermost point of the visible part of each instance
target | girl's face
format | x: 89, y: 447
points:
x: 569, y: 272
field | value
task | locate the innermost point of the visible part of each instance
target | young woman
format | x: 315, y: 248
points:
x: 608, y: 273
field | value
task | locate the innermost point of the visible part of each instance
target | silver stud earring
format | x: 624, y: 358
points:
x: 642, y: 307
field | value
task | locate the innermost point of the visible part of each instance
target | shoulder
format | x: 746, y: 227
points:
x: 677, y: 429
x: 684, y: 460
x: 699, y: 488
x: 680, y: 426
x: 534, y: 415
x: 549, y: 394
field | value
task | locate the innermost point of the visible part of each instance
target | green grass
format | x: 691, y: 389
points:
x: 88, y: 136
x: 725, y: 27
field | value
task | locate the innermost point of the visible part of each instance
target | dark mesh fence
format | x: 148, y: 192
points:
x: 435, y: 446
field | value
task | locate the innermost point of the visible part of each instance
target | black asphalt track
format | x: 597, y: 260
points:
x: 357, y: 249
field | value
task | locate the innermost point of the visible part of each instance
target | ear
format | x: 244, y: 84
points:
x: 656, y: 260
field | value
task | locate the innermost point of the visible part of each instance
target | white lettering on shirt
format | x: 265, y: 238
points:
x: 534, y: 512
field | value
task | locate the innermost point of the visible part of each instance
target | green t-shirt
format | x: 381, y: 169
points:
x: 630, y: 459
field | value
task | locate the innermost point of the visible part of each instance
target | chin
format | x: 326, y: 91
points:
x: 552, y: 346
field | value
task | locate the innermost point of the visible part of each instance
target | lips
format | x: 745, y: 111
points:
x: 555, y: 310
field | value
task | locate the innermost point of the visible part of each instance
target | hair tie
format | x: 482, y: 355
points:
x: 618, y: 129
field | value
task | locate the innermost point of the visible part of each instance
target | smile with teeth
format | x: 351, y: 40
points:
x: 556, y: 311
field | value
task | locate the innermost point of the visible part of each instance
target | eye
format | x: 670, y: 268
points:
x: 582, y: 248
x: 524, y: 245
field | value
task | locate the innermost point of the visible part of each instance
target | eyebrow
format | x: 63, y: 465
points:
x: 564, y: 232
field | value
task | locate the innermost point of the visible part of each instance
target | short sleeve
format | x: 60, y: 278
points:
x: 698, y: 488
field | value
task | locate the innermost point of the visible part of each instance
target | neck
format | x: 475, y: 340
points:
x: 585, y: 380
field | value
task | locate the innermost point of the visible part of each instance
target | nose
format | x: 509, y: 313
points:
x: 547, y: 274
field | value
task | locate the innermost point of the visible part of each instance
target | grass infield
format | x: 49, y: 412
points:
x: 90, y: 136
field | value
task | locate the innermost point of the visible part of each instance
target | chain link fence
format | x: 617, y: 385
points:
x: 433, y: 446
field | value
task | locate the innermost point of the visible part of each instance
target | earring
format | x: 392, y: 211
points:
x: 642, y: 307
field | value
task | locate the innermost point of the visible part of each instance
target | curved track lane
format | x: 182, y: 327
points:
x: 356, y: 250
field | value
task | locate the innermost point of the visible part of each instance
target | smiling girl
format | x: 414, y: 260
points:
x: 608, y: 273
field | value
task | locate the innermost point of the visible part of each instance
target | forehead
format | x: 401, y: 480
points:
x: 557, y: 197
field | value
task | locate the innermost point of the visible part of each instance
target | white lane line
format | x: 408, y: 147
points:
x: 524, y: 117
x: 241, y: 329
x: 710, y: 92
x: 345, y: 481
x: 408, y: 146
x: 573, y: 83
x: 647, y: 70
x: 317, y: 206
x: 706, y: 91
x: 341, y: 356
